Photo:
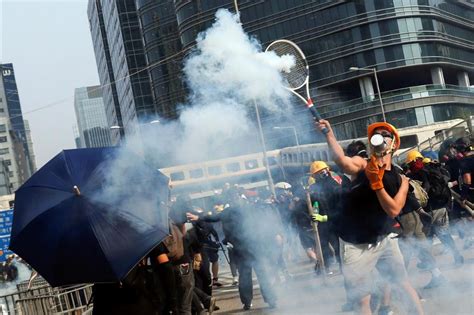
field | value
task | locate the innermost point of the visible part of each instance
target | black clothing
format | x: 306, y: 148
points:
x: 363, y: 219
x: 328, y: 192
x: 434, y: 181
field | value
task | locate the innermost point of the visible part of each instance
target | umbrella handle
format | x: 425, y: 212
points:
x: 76, y: 190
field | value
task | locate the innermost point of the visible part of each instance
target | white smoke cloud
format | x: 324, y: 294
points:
x: 226, y: 73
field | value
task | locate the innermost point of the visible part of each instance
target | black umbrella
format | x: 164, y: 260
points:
x: 89, y: 215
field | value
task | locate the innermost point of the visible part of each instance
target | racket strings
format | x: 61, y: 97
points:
x: 296, y: 75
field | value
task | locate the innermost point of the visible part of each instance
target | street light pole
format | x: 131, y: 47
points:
x: 264, y: 150
x: 374, y: 70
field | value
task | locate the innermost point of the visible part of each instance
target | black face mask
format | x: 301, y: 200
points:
x: 323, y: 175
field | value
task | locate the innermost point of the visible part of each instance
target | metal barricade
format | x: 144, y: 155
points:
x: 45, y: 300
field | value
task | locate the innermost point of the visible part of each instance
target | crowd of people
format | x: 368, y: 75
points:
x: 365, y: 214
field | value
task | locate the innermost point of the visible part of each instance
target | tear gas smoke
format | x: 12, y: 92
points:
x: 225, y: 73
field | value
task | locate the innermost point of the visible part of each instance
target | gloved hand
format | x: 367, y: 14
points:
x: 229, y: 245
x: 319, y: 218
x: 374, y: 173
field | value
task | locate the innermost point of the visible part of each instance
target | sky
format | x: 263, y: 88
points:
x: 50, y: 46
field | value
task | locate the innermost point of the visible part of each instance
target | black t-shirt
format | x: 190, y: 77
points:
x: 363, y: 219
x: 466, y: 165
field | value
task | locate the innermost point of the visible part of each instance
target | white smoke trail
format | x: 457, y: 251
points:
x: 226, y: 73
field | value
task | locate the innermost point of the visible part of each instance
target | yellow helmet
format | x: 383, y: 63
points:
x: 317, y: 166
x: 426, y: 161
x: 412, y: 156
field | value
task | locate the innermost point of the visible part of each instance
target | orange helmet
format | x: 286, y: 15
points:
x: 388, y: 127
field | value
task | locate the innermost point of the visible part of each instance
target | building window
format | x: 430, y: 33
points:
x: 3, y: 128
x: 10, y: 174
x: 8, y: 162
x: 3, y: 139
x: 408, y: 141
x: 4, y: 151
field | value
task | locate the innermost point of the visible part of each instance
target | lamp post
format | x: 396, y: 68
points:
x: 264, y: 150
x: 376, y: 84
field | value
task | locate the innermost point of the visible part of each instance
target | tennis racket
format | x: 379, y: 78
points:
x: 297, y: 76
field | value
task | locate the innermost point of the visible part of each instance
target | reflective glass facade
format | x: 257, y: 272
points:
x: 418, y: 47
x: 127, y: 60
x: 15, y: 117
x: 162, y: 45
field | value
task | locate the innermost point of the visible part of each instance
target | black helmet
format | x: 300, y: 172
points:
x: 463, y: 144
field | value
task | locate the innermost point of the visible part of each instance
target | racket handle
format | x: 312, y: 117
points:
x: 317, y: 117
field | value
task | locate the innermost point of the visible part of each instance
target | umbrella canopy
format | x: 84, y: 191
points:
x: 89, y: 215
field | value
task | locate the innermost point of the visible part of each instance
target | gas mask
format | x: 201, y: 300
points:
x: 322, y: 175
x: 379, y: 145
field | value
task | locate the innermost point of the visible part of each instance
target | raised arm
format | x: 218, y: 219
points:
x: 349, y: 165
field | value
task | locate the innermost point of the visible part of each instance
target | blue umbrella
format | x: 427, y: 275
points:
x: 89, y: 215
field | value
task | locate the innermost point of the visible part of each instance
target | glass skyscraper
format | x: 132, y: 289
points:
x: 121, y: 63
x: 16, y: 147
x: 422, y: 50
x: 93, y: 127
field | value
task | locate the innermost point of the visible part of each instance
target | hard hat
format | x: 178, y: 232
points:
x: 412, y: 156
x: 283, y: 185
x: 372, y: 127
x: 426, y: 161
x: 317, y: 166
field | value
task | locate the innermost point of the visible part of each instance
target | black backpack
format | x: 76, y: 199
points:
x: 439, y: 192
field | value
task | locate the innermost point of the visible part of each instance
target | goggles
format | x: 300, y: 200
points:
x: 322, y: 174
x: 384, y: 134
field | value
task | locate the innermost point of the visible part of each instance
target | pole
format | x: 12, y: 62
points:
x: 299, y: 149
x: 317, y: 240
x: 380, y: 94
x: 264, y: 149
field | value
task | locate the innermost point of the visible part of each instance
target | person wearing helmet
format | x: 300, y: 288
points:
x: 377, y: 194
x: 435, y: 181
x: 326, y: 191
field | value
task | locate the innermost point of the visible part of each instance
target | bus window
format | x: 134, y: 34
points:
x: 177, y: 176
x: 408, y: 141
x: 214, y: 170
x: 233, y: 167
x: 272, y: 161
x: 251, y: 164
x: 196, y: 173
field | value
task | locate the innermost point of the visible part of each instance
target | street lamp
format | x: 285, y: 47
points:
x: 376, y: 84
x: 297, y: 143
x: 264, y: 149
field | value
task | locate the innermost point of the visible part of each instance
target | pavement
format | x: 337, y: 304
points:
x: 306, y: 293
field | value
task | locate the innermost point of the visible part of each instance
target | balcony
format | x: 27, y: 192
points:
x: 417, y: 96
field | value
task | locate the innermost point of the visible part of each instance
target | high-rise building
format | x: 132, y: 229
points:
x: 164, y: 54
x: 10, y: 108
x: 120, y: 56
x: 92, y: 124
x: 421, y: 50
x: 29, y: 141
x: 16, y: 146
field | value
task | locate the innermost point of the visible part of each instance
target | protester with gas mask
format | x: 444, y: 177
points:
x: 326, y: 195
x: 434, y: 179
x: 377, y: 195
